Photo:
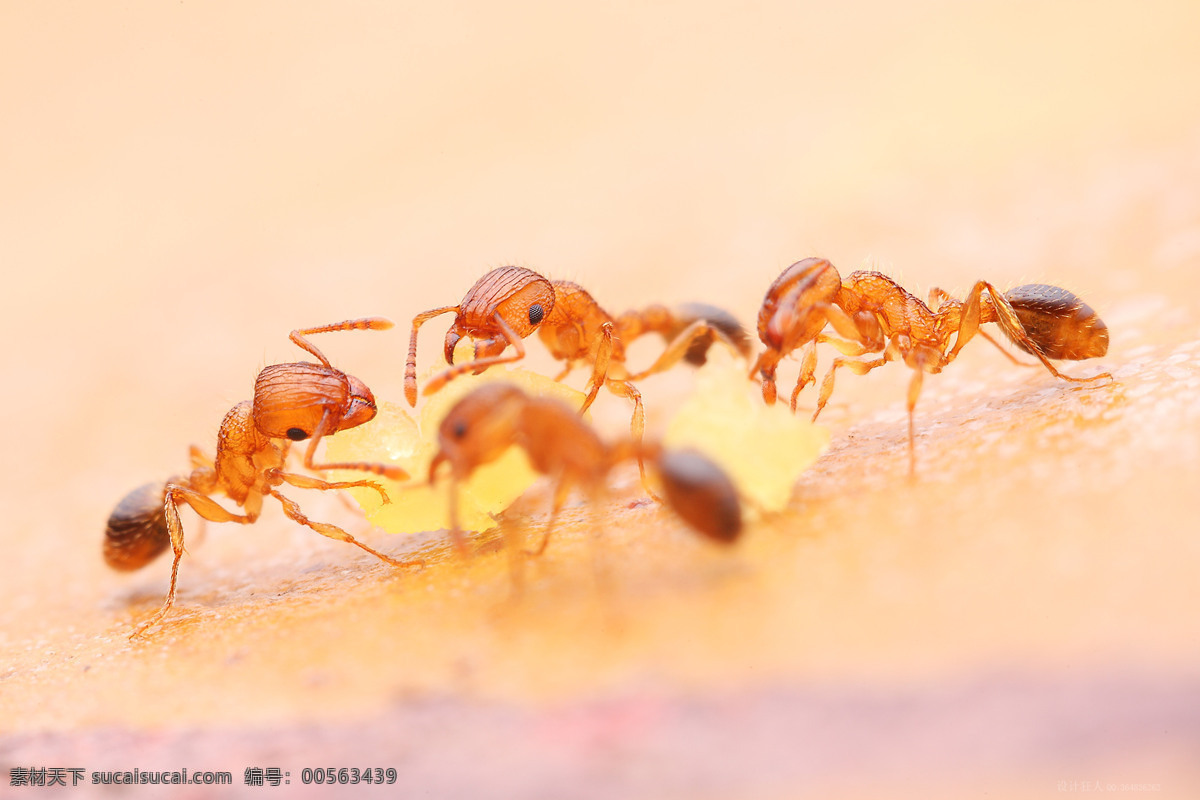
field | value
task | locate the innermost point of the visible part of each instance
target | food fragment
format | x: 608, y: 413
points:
x: 396, y: 437
x: 762, y: 448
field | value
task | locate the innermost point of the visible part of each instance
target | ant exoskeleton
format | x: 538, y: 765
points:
x: 873, y: 314
x: 292, y: 402
x: 489, y: 419
x: 509, y: 303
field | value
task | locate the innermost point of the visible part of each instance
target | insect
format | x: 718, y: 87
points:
x: 509, y: 303
x: 488, y: 420
x: 871, y: 313
x: 292, y: 403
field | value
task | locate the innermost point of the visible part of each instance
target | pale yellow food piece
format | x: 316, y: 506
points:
x: 396, y: 437
x: 764, y: 449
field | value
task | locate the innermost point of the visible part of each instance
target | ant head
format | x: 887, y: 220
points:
x: 702, y: 494
x: 360, y: 406
x: 291, y: 400
x: 784, y: 321
x: 137, y: 530
x: 479, y: 428
x: 519, y: 296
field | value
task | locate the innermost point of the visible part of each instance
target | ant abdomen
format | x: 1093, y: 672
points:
x: 137, y: 528
x: 701, y: 494
x: 718, y: 318
x: 1058, y: 322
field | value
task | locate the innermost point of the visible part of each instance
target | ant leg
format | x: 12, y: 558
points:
x: 678, y: 347
x: 914, y: 392
x: 764, y: 367
x: 599, y: 366
x: 333, y: 531
x: 637, y: 426
x: 198, y: 457
x: 566, y: 370
x: 391, y: 471
x: 1004, y: 350
x: 858, y: 367
x: 208, y: 509
x: 560, y: 497
x: 478, y: 365
x: 808, y: 369
x: 309, y: 482
x: 367, y: 324
x: 410, y: 366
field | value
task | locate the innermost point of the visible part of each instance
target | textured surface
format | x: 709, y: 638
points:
x: 184, y: 185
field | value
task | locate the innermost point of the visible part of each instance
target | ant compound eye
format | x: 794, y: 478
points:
x: 536, y: 312
x: 296, y: 434
x: 459, y: 430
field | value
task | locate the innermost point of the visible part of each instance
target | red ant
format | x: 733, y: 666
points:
x: 292, y: 402
x: 486, y: 421
x: 510, y: 303
x: 874, y: 314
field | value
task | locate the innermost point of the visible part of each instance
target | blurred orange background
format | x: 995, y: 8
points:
x: 183, y: 184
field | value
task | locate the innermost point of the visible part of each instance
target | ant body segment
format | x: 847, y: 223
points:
x: 486, y: 421
x: 874, y: 314
x: 292, y: 402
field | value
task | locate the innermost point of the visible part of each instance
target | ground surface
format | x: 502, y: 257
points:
x: 185, y: 185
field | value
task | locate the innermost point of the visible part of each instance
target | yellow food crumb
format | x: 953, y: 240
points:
x: 396, y: 437
x: 762, y: 448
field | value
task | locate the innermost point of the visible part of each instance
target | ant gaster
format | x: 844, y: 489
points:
x: 292, y: 402
x: 490, y: 419
x: 510, y: 303
x: 873, y: 314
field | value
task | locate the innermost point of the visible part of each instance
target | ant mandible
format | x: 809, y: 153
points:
x: 874, y: 314
x: 509, y: 303
x: 489, y: 419
x: 292, y: 402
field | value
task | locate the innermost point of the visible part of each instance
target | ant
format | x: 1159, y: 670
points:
x: 874, y: 314
x: 292, y: 402
x: 509, y: 303
x: 487, y: 420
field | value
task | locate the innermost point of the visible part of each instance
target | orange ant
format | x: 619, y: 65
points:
x: 292, y: 402
x: 510, y: 303
x: 874, y: 314
x: 487, y: 420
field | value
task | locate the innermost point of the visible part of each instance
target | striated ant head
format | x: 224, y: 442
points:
x: 1059, y: 323
x: 701, y: 493
x: 137, y: 529
x: 478, y: 428
x: 784, y: 321
x: 520, y: 297
x: 291, y: 400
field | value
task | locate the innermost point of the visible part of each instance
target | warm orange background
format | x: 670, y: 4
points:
x: 182, y: 184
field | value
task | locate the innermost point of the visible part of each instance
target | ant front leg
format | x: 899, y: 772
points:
x: 366, y: 324
x: 293, y: 512
x: 479, y: 364
x: 808, y: 369
x: 410, y: 365
x: 390, y: 471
